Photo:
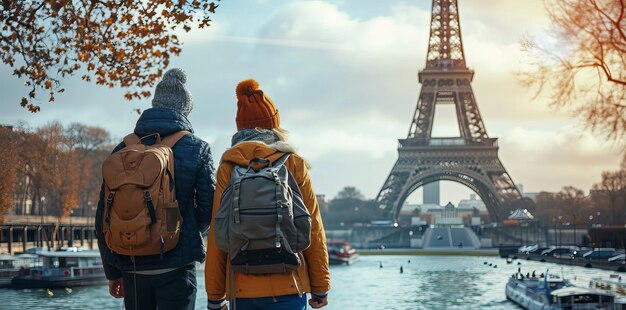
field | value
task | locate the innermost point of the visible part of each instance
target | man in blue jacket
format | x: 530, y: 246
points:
x: 167, y: 281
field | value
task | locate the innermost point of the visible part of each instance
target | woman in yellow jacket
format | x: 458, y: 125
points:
x: 259, y: 136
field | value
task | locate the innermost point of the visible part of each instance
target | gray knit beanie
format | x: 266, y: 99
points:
x: 171, y: 92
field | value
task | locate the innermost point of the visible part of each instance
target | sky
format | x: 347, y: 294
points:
x: 343, y: 75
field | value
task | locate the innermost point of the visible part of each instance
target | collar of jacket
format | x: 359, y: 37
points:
x: 162, y: 121
x: 243, y: 152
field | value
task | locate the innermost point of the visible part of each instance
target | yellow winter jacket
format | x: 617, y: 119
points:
x: 312, y: 276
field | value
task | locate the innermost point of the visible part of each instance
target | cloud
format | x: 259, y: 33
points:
x: 550, y: 159
x: 367, y: 135
x: 274, y: 42
x: 501, y: 21
x: 344, y: 77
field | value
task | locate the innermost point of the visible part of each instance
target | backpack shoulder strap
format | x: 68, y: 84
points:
x: 281, y: 160
x: 172, y: 139
x: 131, y: 139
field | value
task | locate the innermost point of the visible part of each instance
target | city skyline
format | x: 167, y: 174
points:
x: 344, y: 77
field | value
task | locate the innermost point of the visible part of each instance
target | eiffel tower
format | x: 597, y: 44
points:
x: 471, y: 159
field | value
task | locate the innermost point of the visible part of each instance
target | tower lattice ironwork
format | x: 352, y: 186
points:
x: 471, y: 159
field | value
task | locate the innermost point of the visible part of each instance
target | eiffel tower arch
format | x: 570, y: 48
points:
x: 470, y: 159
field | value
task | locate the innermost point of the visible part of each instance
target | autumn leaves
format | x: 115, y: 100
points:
x: 123, y: 44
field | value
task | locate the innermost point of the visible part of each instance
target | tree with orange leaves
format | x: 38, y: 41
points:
x: 8, y: 164
x: 90, y: 148
x: 52, y: 170
x: 62, y: 164
x: 584, y: 66
x: 115, y: 43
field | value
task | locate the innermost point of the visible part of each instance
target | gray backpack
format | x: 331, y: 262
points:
x: 262, y: 222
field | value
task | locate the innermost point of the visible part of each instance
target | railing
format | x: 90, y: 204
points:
x: 60, y: 272
x: 446, y: 141
x: 19, y: 238
x: 8, y: 273
x: 84, y: 271
x: 409, y: 142
x: 13, y: 219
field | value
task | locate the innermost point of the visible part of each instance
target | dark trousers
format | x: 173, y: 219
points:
x: 286, y: 302
x: 174, y: 290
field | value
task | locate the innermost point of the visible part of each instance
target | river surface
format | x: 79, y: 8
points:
x: 427, y: 282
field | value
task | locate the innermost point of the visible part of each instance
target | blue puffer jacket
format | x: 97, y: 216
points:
x: 195, y: 187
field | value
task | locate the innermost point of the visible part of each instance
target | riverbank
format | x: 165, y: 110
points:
x: 618, y: 266
x: 442, y: 252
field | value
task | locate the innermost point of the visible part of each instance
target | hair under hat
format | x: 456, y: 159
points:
x: 254, y: 108
x: 171, y: 92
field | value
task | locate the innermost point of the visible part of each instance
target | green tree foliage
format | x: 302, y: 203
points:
x: 350, y: 192
x: 350, y: 207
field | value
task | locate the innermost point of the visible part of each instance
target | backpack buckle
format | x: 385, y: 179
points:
x: 236, y: 215
x: 150, y: 206
x: 109, y: 207
x: 110, y: 198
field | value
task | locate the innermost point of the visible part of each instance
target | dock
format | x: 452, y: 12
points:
x: 23, y: 232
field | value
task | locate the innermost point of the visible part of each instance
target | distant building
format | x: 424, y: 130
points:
x: 451, y: 215
x: 521, y: 215
x: 409, y: 207
x: 470, y: 212
x: 472, y: 202
x: 431, y: 193
x: 409, y: 214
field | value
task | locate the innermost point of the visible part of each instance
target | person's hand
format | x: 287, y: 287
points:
x: 317, y: 302
x: 116, y: 288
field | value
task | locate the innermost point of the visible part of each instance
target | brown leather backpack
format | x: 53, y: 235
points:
x: 141, y: 214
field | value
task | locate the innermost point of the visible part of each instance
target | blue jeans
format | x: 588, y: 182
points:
x: 285, y: 302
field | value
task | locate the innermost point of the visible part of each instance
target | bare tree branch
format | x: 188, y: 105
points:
x: 588, y: 38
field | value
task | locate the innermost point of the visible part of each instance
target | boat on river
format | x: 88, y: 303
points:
x: 613, y: 285
x: 10, y: 266
x: 551, y: 292
x: 61, y: 269
x: 340, y: 252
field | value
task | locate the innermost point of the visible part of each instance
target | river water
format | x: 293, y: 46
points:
x: 427, y: 282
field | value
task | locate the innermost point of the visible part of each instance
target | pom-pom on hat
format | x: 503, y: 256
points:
x: 254, y: 108
x: 171, y: 92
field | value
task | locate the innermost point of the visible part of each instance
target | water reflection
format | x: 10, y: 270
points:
x: 427, y: 282
x: 436, y: 280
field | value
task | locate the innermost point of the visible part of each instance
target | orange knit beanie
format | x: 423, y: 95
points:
x: 255, y: 109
